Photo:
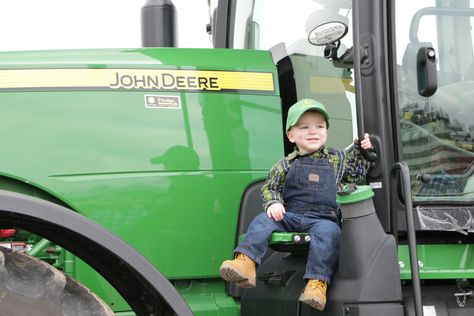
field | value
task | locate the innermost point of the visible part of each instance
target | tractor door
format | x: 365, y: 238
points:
x: 417, y: 89
x: 435, y: 92
x: 436, y: 129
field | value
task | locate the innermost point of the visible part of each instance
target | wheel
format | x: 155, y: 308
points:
x: 29, y: 286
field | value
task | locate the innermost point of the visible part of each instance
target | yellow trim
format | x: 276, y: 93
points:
x: 330, y: 85
x: 143, y: 79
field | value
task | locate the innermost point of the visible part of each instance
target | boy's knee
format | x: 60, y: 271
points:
x: 262, y: 222
x: 263, y: 219
x: 329, y: 229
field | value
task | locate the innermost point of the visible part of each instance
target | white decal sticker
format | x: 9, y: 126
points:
x: 376, y: 185
x: 162, y: 102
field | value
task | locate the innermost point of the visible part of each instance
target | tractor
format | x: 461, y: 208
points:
x: 128, y: 175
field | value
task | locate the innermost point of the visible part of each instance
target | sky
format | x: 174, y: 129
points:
x: 67, y: 24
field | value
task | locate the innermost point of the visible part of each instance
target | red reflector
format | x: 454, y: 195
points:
x: 6, y: 233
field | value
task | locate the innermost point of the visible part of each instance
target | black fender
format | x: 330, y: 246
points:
x: 144, y: 288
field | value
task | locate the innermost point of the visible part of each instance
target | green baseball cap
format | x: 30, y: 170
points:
x: 302, y: 106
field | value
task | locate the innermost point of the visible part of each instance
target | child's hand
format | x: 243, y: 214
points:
x: 276, y: 211
x: 365, y: 144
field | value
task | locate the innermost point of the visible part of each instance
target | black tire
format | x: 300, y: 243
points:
x: 29, y: 286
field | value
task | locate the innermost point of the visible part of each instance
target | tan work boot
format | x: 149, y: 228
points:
x: 314, y: 294
x: 240, y: 270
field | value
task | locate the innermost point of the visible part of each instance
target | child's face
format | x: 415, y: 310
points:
x: 310, y: 133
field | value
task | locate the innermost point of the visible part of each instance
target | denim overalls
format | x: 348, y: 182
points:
x: 310, y: 204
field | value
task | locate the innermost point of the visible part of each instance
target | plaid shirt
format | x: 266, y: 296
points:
x: 349, y: 167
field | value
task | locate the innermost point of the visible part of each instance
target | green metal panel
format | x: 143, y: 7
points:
x: 437, y: 261
x: 166, y: 180
x: 182, y: 58
x: 117, y: 166
x: 207, y: 297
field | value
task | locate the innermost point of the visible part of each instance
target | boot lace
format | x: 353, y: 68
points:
x: 241, y: 257
x: 314, y: 284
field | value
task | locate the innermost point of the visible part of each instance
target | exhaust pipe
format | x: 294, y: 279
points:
x: 158, y: 24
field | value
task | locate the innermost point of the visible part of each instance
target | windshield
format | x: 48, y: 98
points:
x: 283, y: 29
x: 436, y: 131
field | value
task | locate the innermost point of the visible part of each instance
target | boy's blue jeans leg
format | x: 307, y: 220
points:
x: 323, y: 249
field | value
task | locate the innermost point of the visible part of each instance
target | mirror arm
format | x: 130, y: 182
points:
x: 346, y: 60
x: 330, y: 51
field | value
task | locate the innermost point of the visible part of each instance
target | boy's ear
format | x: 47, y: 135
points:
x: 290, y: 136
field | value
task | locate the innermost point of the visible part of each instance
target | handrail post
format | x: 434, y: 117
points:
x: 402, y: 167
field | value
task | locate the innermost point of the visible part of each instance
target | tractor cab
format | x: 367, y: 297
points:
x: 403, y: 72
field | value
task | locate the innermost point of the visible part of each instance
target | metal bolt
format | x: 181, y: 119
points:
x: 296, y: 238
x: 307, y: 238
x: 401, y: 265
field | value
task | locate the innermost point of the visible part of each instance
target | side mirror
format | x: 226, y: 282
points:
x: 327, y: 33
x: 426, y: 71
